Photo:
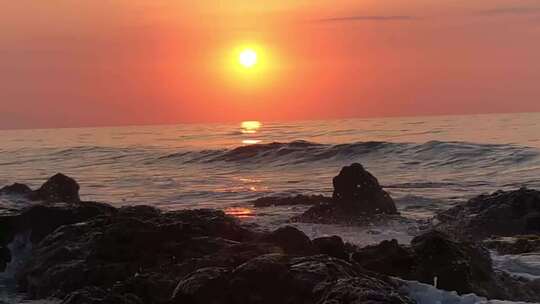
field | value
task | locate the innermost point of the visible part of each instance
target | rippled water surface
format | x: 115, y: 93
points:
x: 423, y: 161
x: 426, y: 163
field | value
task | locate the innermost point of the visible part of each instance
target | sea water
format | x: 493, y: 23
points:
x: 427, y: 164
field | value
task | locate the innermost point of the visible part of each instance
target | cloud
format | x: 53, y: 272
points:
x: 510, y: 11
x: 366, y: 18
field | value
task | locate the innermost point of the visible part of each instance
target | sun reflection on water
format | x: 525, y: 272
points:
x: 240, y: 212
x: 249, y: 128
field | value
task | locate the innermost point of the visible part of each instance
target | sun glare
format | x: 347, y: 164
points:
x: 248, y: 58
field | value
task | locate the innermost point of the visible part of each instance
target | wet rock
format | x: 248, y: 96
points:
x: 503, y: 213
x: 59, y: 188
x: 358, y: 196
x: 388, y: 258
x: 291, y: 200
x: 332, y: 246
x: 358, y: 191
x: 520, y: 244
x: 16, y: 189
x: 458, y: 266
x: 5, y: 257
x: 206, y: 285
x: 436, y: 259
x: 95, y: 295
x: 292, y: 240
x: 264, y: 279
x: 360, y: 290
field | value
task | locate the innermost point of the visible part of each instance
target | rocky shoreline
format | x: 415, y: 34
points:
x: 88, y: 252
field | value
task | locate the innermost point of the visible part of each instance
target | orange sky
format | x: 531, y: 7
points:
x: 91, y: 63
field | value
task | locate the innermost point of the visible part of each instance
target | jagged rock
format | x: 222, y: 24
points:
x: 503, y: 213
x: 357, y: 194
x: 16, y: 189
x: 292, y: 240
x: 291, y: 200
x: 59, y: 188
x: 332, y: 246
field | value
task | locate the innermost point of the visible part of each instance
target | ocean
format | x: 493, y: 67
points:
x: 427, y: 164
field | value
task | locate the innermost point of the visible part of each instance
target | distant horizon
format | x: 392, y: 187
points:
x: 268, y: 121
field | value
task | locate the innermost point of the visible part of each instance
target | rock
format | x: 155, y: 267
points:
x: 264, y: 279
x: 291, y: 200
x: 59, y: 188
x: 358, y: 197
x: 332, y: 246
x: 361, y: 290
x: 520, y: 244
x: 464, y: 267
x: 503, y: 213
x: 461, y: 267
x: 16, y: 189
x: 5, y: 257
x: 358, y: 191
x: 95, y: 295
x: 388, y: 258
x: 205, y: 286
x: 292, y: 240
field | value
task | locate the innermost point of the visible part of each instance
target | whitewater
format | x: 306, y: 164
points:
x: 427, y: 164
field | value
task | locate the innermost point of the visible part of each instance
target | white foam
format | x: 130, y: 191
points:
x: 521, y: 265
x: 427, y: 294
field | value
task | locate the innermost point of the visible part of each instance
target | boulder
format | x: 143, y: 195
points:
x: 358, y: 191
x: 291, y: 240
x: 332, y: 246
x: 503, y: 213
x: 388, y: 258
x: 358, y: 196
x: 206, y: 285
x: 16, y: 189
x: 59, y: 188
x: 458, y: 266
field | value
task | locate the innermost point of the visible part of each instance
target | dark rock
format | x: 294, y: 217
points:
x: 332, y: 246
x: 16, y: 189
x: 291, y: 200
x: 358, y: 191
x: 5, y: 257
x: 204, y: 286
x: 292, y: 240
x: 59, y: 188
x: 464, y: 267
x: 388, y: 258
x: 361, y: 290
x: 498, y: 214
x: 95, y: 295
x: 358, y: 196
x: 461, y: 267
x: 264, y: 279
x: 514, y: 245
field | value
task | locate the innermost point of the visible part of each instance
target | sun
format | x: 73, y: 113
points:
x: 248, y: 58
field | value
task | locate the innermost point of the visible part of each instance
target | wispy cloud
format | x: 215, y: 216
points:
x: 365, y: 18
x: 510, y: 11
